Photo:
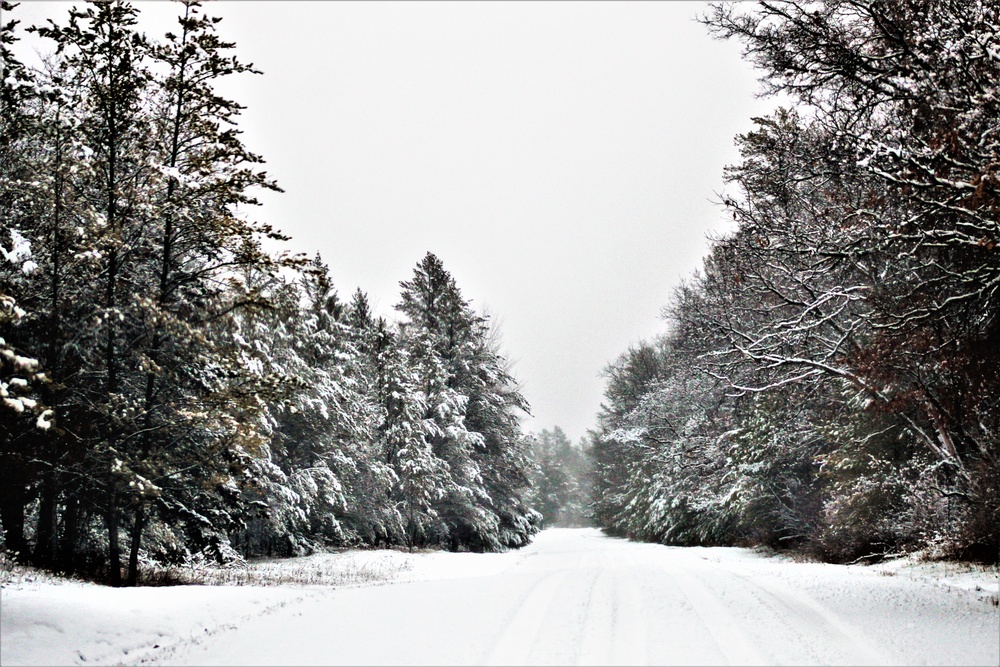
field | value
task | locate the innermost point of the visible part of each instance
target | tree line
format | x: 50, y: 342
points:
x: 560, y: 479
x: 172, y: 390
x: 830, y: 379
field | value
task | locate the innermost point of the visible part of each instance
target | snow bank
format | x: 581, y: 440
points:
x: 45, y: 620
x: 73, y: 623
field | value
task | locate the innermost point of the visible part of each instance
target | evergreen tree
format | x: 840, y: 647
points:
x: 560, y: 480
x: 471, y: 404
x: 102, y: 53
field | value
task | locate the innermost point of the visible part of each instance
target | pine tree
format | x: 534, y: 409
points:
x: 104, y: 55
x: 137, y: 167
x: 196, y: 240
x: 560, y: 488
x: 471, y: 403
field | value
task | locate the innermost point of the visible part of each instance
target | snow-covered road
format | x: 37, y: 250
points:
x: 577, y: 597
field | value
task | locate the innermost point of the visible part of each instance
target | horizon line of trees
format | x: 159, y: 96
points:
x: 561, y: 478
x: 171, y: 391
x: 830, y: 379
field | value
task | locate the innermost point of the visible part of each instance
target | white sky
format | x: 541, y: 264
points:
x: 559, y: 157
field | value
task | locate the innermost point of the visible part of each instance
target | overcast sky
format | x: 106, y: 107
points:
x: 561, y: 158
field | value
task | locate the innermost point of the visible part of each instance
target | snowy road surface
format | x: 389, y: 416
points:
x: 572, y: 597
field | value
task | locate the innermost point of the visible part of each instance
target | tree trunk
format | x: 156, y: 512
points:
x: 70, y: 535
x: 133, y: 554
x: 45, y: 533
x: 114, y: 549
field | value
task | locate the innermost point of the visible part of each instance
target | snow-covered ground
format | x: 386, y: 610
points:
x: 572, y: 597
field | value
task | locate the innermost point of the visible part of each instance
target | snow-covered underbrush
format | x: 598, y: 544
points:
x: 14, y: 575
x: 346, y: 568
x: 323, y: 569
x: 982, y: 581
x: 969, y: 580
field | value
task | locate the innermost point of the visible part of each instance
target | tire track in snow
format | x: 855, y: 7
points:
x: 595, y: 636
x: 721, y: 625
x: 578, y: 597
x: 629, y: 637
x: 520, y: 630
x: 836, y: 636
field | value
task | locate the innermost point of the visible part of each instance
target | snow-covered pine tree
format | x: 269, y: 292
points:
x: 391, y: 408
x: 494, y: 410
x: 16, y: 473
x: 135, y: 169
x: 421, y: 478
x: 21, y: 407
x: 195, y: 242
x: 472, y: 403
x: 559, y: 479
x: 102, y: 55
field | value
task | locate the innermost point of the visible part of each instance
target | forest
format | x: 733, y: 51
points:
x: 173, y: 391
x: 830, y: 379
